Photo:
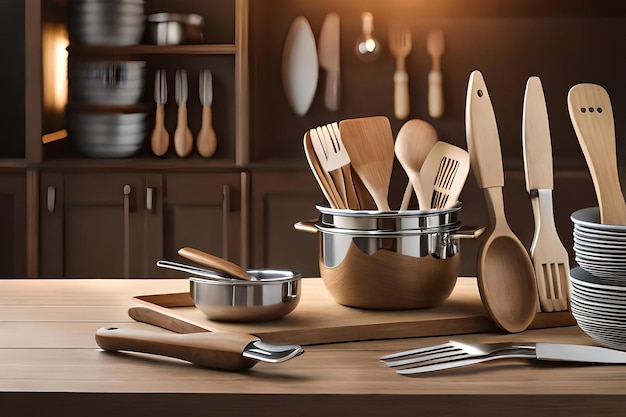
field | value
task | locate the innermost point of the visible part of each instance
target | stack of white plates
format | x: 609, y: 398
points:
x: 600, y: 249
x: 599, y: 308
x: 106, y: 22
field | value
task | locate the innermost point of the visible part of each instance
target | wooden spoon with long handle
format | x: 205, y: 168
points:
x: 506, y: 277
x: 415, y: 140
x: 214, y: 262
x: 591, y: 113
x: 369, y: 142
x: 548, y: 254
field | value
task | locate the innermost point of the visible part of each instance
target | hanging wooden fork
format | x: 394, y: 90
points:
x: 400, y: 46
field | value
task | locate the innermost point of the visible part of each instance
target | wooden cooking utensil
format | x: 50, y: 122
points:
x: 443, y: 174
x: 415, y: 140
x: 160, y: 139
x: 369, y: 142
x: 183, y: 140
x: 591, y: 114
x: 334, y: 158
x: 547, y: 252
x: 206, y: 141
x: 323, y: 177
x: 400, y: 46
x: 435, y: 46
x: 506, y: 278
x: 214, y: 262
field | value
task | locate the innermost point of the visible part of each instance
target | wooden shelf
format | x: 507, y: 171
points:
x: 145, y: 163
x: 203, y: 49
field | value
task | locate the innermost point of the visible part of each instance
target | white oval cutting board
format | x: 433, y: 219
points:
x: 300, y: 68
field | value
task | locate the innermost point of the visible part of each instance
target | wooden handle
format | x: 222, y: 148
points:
x: 435, y: 94
x: 183, y: 141
x: 401, y: 94
x: 483, y: 142
x: 160, y: 138
x: 206, y: 142
x: 213, y: 350
x: 214, y: 262
x: 536, y: 143
x: 332, y: 96
x: 307, y: 226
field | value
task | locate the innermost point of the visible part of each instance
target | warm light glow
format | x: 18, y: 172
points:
x: 370, y: 45
x: 54, y: 45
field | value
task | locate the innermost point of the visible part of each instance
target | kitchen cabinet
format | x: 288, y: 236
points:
x: 111, y: 225
x: 12, y: 224
x: 278, y: 201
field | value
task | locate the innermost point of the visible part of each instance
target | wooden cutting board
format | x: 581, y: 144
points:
x: 319, y: 319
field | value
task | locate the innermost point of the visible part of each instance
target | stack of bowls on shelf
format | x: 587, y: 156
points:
x: 106, y: 22
x: 392, y: 260
x: 104, y: 119
x: 598, y: 284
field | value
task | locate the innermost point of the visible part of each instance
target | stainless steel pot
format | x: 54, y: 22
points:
x: 389, y: 261
x: 270, y: 296
x: 174, y: 28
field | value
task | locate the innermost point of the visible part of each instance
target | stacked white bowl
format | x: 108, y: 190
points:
x: 598, y: 284
x: 106, y: 22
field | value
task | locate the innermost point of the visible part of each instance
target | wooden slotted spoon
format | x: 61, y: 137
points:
x: 548, y: 254
x: 443, y: 174
x: 591, y: 114
x: 506, y: 277
x: 323, y: 178
x: 369, y: 142
x: 415, y: 140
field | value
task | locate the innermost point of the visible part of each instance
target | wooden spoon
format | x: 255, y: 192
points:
x: 369, y: 142
x: 591, y: 113
x: 415, y: 140
x: 506, y: 277
x: 214, y: 262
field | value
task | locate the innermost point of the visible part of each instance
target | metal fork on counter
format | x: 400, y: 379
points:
x: 454, y: 354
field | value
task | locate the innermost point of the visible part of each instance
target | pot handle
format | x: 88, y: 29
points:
x: 468, y: 232
x: 307, y: 226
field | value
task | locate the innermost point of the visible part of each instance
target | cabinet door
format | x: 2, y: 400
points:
x: 280, y: 199
x: 91, y: 226
x: 12, y: 225
x: 199, y: 210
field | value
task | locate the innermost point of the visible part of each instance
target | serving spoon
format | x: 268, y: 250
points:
x: 505, y: 273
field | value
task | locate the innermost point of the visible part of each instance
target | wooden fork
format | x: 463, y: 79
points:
x: 400, y: 46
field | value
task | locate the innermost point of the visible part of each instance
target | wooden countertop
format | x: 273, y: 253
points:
x: 51, y: 365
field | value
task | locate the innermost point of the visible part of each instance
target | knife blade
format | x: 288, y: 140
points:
x: 536, y: 143
x: 329, y: 58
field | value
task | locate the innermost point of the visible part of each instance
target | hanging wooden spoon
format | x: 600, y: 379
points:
x: 415, y: 140
x: 506, y: 277
x: 214, y: 262
x: 591, y: 113
x: 369, y: 142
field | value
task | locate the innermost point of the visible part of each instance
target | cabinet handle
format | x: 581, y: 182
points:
x: 225, y: 212
x: 127, y: 190
x: 52, y: 194
x: 150, y: 198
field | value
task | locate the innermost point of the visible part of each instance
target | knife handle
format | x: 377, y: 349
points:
x: 401, y: 94
x: 332, y: 95
x: 213, y: 350
x: 435, y: 94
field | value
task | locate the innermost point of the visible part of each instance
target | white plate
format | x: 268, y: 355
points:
x: 590, y: 218
x: 300, y: 69
x: 580, y: 277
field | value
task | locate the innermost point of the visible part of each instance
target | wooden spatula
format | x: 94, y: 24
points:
x: 323, y: 178
x: 369, y: 142
x: 443, y: 174
x: 548, y: 254
x: 591, y: 114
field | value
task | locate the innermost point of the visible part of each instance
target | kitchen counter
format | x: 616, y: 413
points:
x: 51, y: 365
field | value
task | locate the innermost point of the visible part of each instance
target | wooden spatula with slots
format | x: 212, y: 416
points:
x: 591, y: 114
x: 369, y: 142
